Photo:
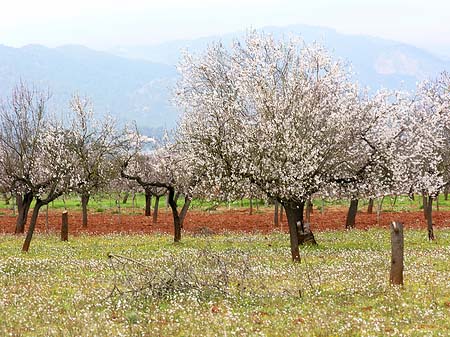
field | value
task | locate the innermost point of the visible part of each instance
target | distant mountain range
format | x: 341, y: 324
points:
x: 127, y: 89
x: 134, y: 83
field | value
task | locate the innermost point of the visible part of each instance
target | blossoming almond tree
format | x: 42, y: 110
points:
x: 163, y: 168
x: 22, y: 123
x: 54, y: 175
x: 431, y: 111
x: 96, y: 146
x: 280, y: 115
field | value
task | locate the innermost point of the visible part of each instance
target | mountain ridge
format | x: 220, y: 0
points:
x: 135, y: 83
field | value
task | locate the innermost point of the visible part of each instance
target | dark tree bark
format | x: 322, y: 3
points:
x: 65, y: 226
x: 176, y: 216
x: 251, y: 206
x: 446, y: 188
x: 23, y: 207
x: 396, y: 275
x: 148, y: 203
x: 155, y: 209
x: 184, y: 210
x: 298, y: 232
x: 39, y: 203
x: 370, y: 206
x: 34, y: 217
x: 294, y: 216
x: 275, y: 214
x: 429, y: 217
x: 351, y: 215
x: 84, y: 204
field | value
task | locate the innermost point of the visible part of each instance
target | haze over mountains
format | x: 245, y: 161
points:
x: 134, y: 83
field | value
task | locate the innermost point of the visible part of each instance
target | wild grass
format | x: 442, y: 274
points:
x: 339, y: 289
x: 103, y: 202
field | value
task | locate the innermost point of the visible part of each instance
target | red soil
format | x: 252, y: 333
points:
x: 217, y: 222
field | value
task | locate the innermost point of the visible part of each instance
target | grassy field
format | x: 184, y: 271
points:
x: 227, y: 285
x: 108, y: 203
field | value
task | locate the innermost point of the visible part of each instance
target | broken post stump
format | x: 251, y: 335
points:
x: 396, y: 277
x: 65, y: 226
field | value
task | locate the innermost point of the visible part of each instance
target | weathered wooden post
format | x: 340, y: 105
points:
x: 396, y: 276
x: 65, y: 226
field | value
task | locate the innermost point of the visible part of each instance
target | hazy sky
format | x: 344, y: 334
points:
x: 103, y: 24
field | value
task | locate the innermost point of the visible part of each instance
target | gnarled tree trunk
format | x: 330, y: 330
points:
x: 298, y: 232
x: 148, y: 203
x: 23, y: 207
x: 84, y: 203
x: 176, y: 216
x: 351, y: 215
x: 184, y: 210
x: 34, y: 217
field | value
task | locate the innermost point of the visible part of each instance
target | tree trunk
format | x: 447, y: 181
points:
x: 148, y: 203
x: 176, y: 216
x: 23, y: 207
x: 299, y: 233
x: 155, y: 210
x: 351, y: 215
x: 65, y: 226
x: 446, y: 192
x: 251, y: 206
x: 294, y: 215
x: 396, y: 275
x: 125, y: 197
x: 370, y: 206
x: 184, y: 210
x: 275, y: 215
x: 84, y: 203
x: 34, y: 217
x: 429, y: 217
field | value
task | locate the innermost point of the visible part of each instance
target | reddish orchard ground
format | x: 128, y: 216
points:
x: 217, y: 222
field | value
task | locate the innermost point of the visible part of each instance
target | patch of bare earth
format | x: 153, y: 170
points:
x: 199, y: 222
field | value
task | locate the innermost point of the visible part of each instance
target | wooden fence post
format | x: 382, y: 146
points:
x: 65, y: 226
x: 396, y: 277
